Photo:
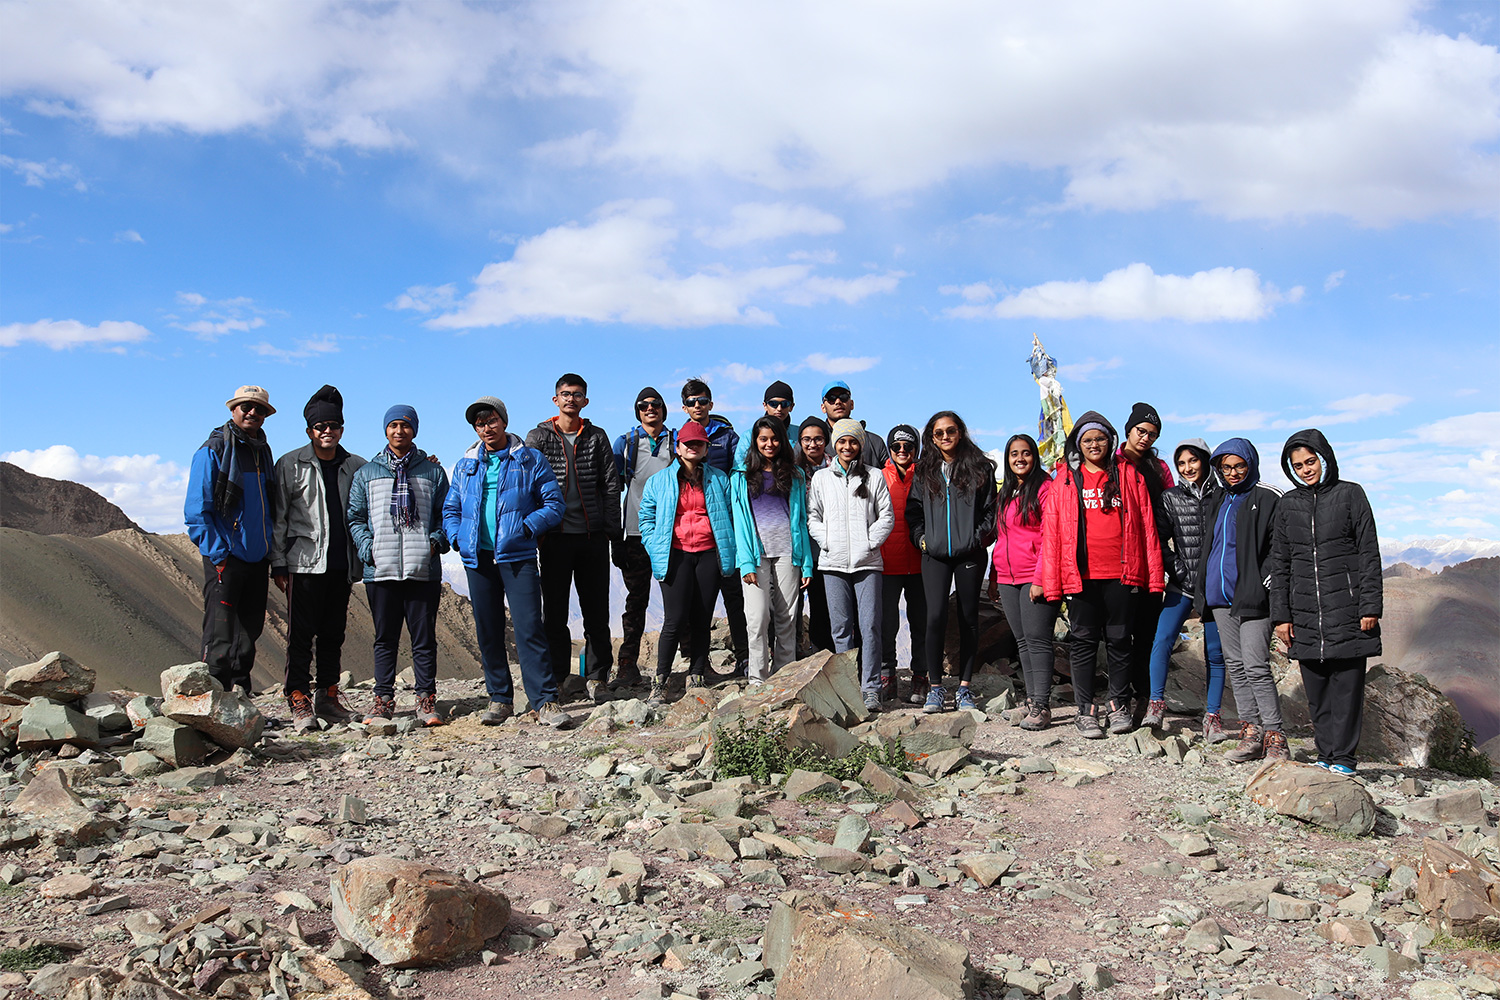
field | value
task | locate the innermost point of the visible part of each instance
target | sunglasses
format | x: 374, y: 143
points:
x: 650, y: 404
x: 328, y: 425
x: 254, y: 409
x: 903, y: 446
x: 779, y: 404
x: 837, y: 397
x: 945, y: 432
x: 697, y: 401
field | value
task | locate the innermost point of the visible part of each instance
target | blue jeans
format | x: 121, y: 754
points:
x: 489, y: 586
x: 1174, y: 611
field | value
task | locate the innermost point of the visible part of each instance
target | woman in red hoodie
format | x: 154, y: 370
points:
x: 1016, y: 581
x: 1099, y: 545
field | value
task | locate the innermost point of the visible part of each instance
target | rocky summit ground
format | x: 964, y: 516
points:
x: 634, y: 866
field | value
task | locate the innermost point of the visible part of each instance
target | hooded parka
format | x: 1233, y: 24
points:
x: 1187, y: 521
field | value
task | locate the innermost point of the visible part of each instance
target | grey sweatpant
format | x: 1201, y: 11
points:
x: 1247, y: 658
x: 855, y: 597
x: 768, y: 613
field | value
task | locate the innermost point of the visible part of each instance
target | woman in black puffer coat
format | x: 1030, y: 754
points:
x: 1326, y: 592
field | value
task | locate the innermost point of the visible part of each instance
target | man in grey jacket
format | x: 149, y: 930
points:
x: 313, y: 560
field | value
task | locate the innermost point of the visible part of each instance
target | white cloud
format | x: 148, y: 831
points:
x: 424, y: 299
x: 1220, y: 423
x: 235, y: 315
x: 616, y: 269
x: 814, y: 256
x: 210, y: 329
x: 1334, y: 280
x: 979, y: 291
x: 191, y: 299
x: 1349, y: 410
x: 69, y: 333
x: 37, y: 174
x: 736, y: 372
x: 5, y: 227
x: 839, y: 365
x: 755, y: 221
x: 1250, y: 111
x: 1473, y: 430
x: 1138, y: 293
x: 129, y: 236
x: 148, y: 490
x: 1082, y: 371
x: 310, y: 348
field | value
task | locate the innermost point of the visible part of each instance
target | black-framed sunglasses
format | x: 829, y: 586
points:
x: 779, y: 404
x: 328, y: 425
x: 650, y: 404
x: 254, y: 409
x: 837, y: 396
x: 697, y: 401
x: 903, y: 446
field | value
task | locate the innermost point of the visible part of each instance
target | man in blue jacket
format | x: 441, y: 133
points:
x: 501, y: 497
x: 723, y: 445
x: 229, y: 517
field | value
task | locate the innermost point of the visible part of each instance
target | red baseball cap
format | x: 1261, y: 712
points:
x: 692, y: 431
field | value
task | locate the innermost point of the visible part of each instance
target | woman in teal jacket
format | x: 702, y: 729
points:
x: 769, y: 494
x: 688, y: 531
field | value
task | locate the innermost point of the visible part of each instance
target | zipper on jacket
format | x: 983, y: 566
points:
x: 948, y: 509
x: 571, y: 464
x: 1317, y: 584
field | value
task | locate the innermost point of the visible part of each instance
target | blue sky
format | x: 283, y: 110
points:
x: 1256, y: 217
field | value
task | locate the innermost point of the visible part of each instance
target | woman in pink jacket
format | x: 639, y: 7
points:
x: 1017, y: 578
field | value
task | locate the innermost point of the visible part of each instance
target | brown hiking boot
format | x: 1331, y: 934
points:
x: 1038, y: 716
x: 1252, y: 744
x: 328, y: 704
x: 1213, y: 728
x: 888, y: 688
x: 303, y: 720
x: 1156, y: 715
x: 1275, y: 745
x: 427, y: 713
x: 383, y: 708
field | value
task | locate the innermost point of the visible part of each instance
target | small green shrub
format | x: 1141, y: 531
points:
x: 757, y: 748
x: 25, y: 959
x: 1456, y: 750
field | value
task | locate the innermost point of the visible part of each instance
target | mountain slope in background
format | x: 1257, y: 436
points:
x: 55, y: 506
x: 1435, y: 553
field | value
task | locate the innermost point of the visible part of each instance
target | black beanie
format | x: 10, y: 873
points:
x: 814, y: 422
x: 1143, y: 413
x: 650, y: 393
x: 902, y: 432
x: 326, y: 404
x: 777, y: 390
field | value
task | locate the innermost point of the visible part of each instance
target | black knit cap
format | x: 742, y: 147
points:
x: 326, y: 404
x: 650, y: 393
x: 902, y: 432
x: 1143, y: 413
x: 778, y: 390
x: 814, y: 422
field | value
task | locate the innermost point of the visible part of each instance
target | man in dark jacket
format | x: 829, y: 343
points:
x: 838, y: 403
x: 229, y: 516
x: 640, y: 453
x: 1327, y: 592
x: 723, y: 447
x: 577, y: 553
x: 313, y: 559
x: 1232, y: 577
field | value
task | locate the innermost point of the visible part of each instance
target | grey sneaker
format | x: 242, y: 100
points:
x: 658, y: 695
x: 549, y: 714
x: 1120, y: 719
x: 872, y: 701
x: 303, y: 719
x: 497, y: 713
x: 1088, y: 724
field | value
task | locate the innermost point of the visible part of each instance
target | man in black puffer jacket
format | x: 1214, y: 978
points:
x: 1327, y: 592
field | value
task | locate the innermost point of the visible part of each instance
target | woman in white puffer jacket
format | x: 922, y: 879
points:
x: 849, y: 515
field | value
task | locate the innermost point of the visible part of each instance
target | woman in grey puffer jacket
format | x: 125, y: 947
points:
x: 1186, y: 520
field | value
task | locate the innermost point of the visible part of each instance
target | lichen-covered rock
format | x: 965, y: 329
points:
x: 57, y: 676
x: 191, y: 696
x: 1459, y: 893
x: 1313, y: 795
x: 827, y: 683
x: 404, y: 913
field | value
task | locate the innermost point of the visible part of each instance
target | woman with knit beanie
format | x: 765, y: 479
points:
x: 849, y: 515
x: 1139, y: 450
x: 1099, y: 544
x: 951, y: 513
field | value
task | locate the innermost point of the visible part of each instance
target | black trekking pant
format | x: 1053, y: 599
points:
x: 582, y: 563
x: 629, y: 555
x: 688, y: 593
x: 814, y: 598
x: 732, y: 589
x: 1031, y: 623
x: 234, y: 614
x: 317, y: 612
x: 1100, y: 610
x: 414, y: 602
x: 892, y: 588
x: 1336, y: 701
x: 964, y: 577
x: 1145, y: 613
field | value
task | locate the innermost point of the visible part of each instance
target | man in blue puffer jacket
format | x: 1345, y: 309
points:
x: 503, y: 495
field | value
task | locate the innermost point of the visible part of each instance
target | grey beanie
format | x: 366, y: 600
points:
x: 486, y: 403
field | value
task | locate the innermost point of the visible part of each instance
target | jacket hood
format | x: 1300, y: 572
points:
x: 1240, y: 448
x: 1074, y: 455
x: 1312, y: 439
x: 1205, y: 455
x: 512, y: 442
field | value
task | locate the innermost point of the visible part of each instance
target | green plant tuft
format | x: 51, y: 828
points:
x: 1455, y: 749
x: 25, y: 959
x: 757, y: 748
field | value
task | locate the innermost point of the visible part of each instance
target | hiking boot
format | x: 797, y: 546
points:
x: 427, y: 713
x: 658, y: 695
x: 741, y: 669
x: 1213, y: 728
x: 888, y: 688
x: 1252, y: 744
x: 1088, y: 723
x: 1275, y: 745
x: 328, y: 704
x: 626, y: 677
x: 1121, y: 721
x: 1038, y: 716
x: 696, y: 681
x: 303, y: 719
x: 936, y: 698
x: 497, y: 713
x: 1156, y: 714
x: 383, y: 708
x: 963, y: 699
x: 919, y: 686
x: 872, y: 701
x: 596, y: 692
x: 549, y: 714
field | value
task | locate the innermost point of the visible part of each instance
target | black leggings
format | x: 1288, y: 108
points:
x: 688, y: 593
x: 1102, y: 610
x: 1031, y: 623
x: 965, y: 577
x: 1145, y: 612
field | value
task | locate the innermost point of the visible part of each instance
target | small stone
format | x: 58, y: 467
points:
x: 1034, y: 765
x: 1387, y: 963
x: 140, y: 764
x: 853, y: 834
x: 192, y: 777
x: 800, y: 783
x: 1283, y: 907
x: 901, y: 814
x: 109, y: 904
x: 193, y: 697
x: 352, y: 810
x: 743, y: 973
x: 405, y: 913
x: 68, y: 887
x: 57, y: 676
x: 1205, y: 936
x: 1095, y: 977
x: 1194, y: 845
x: 45, y: 723
x: 1432, y: 989
x: 173, y: 742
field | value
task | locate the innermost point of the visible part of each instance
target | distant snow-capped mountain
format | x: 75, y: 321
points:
x: 1435, y: 553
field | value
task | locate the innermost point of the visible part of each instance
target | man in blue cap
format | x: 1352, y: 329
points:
x: 838, y: 403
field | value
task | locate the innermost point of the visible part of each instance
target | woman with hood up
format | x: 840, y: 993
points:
x: 1232, y: 588
x: 1186, y: 522
x: 1099, y: 545
x: 1327, y: 592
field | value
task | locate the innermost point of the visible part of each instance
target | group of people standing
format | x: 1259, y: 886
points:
x: 839, y: 522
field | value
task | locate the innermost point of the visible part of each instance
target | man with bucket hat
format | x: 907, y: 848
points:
x: 230, y: 517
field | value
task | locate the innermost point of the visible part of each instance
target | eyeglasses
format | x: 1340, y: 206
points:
x: 838, y: 396
x: 779, y: 404
x: 254, y: 410
x: 1148, y: 435
x: 903, y: 446
x: 650, y: 404
x: 945, y: 432
x: 328, y: 425
x: 493, y: 420
x: 697, y: 401
x: 569, y: 394
x: 811, y: 439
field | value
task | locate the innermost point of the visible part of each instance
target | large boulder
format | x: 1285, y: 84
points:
x: 47, y: 723
x: 827, y: 683
x: 819, y: 947
x: 48, y: 802
x: 1313, y: 795
x: 1408, y: 721
x: 191, y: 696
x: 1460, y: 894
x: 404, y: 913
x: 57, y: 676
